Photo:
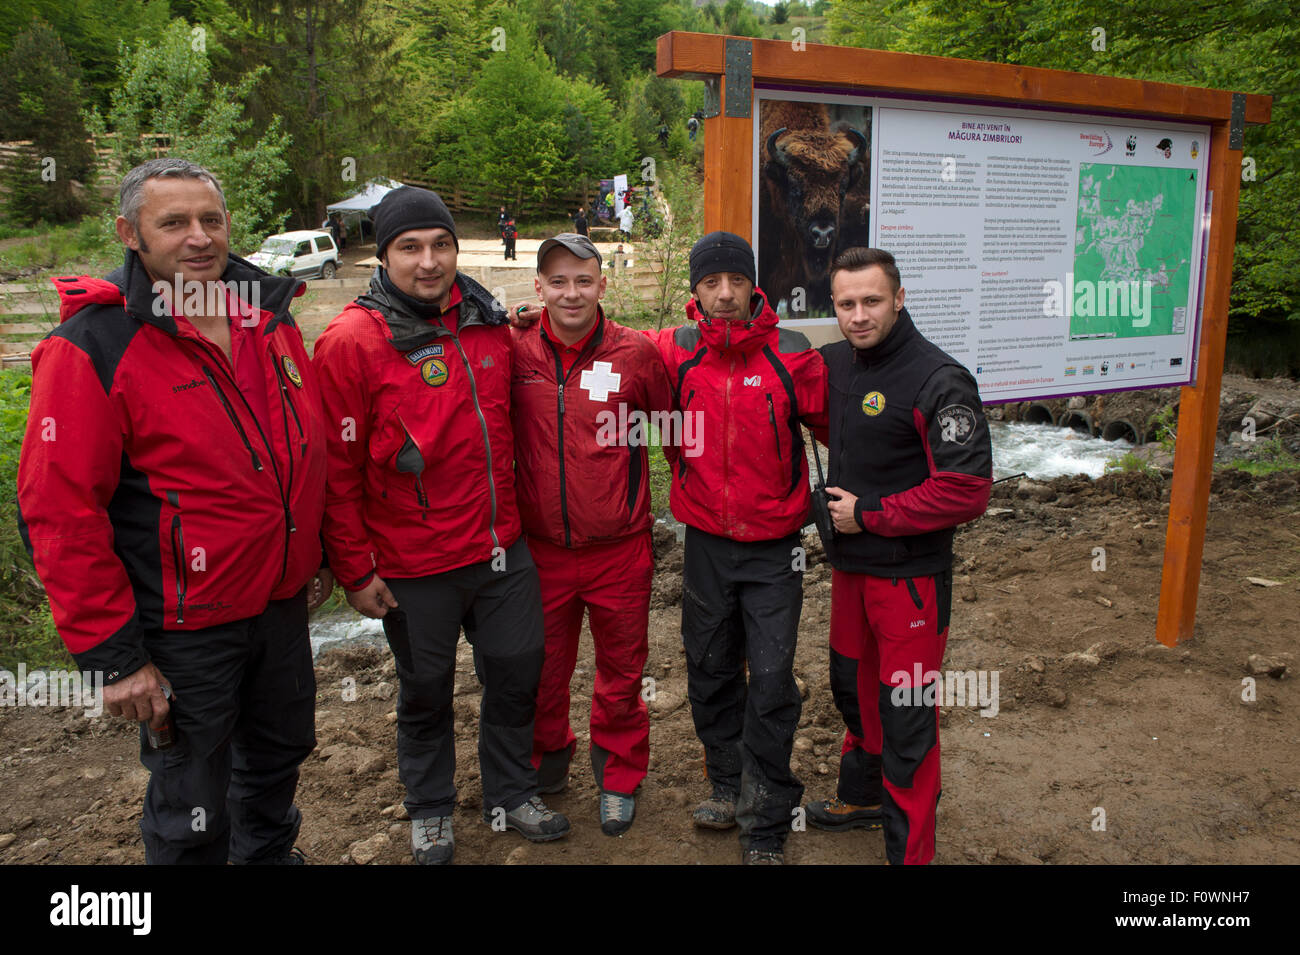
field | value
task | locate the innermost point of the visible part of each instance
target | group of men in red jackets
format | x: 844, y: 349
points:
x: 466, y: 470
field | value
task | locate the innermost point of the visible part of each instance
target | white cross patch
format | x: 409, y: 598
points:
x: 599, y: 380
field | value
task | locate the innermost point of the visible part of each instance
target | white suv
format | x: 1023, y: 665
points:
x: 304, y: 254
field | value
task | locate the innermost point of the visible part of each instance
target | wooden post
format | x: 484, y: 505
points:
x: 728, y: 197
x: 1198, y: 409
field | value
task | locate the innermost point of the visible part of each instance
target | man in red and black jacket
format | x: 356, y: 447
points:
x: 170, y: 489
x: 422, y: 526
x: 743, y: 498
x: 584, y: 393
x: 910, y: 459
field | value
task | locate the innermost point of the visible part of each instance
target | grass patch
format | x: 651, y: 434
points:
x: 1272, y: 458
x: 88, y: 247
x: 1129, y: 463
x: 27, y: 633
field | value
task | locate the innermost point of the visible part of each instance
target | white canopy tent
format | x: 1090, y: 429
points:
x: 354, y: 208
x: 368, y: 197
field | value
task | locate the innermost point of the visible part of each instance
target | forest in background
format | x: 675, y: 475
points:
x: 294, y: 103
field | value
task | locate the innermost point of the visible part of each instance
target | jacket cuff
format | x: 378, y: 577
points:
x: 360, y: 584
x: 868, y: 502
x: 117, y: 657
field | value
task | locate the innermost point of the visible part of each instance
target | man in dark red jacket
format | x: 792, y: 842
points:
x: 170, y: 489
x: 585, y: 391
x: 743, y: 500
x: 421, y: 523
x: 910, y: 459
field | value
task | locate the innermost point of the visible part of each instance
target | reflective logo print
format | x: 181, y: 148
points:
x: 291, y: 370
x: 873, y: 403
x: 956, y: 423
x: 434, y: 372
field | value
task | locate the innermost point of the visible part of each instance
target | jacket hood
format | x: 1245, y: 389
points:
x: 408, y: 330
x: 131, y: 287
x: 743, y: 335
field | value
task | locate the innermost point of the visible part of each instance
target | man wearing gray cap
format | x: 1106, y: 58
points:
x: 421, y: 522
x: 583, y: 393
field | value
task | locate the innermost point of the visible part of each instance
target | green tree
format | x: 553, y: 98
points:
x: 334, y: 88
x: 523, y: 132
x: 165, y: 95
x: 780, y: 13
x: 40, y: 86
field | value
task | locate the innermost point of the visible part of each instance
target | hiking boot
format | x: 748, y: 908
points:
x: 431, y: 840
x: 763, y: 857
x: 716, y: 812
x: 535, y: 822
x: 616, y: 813
x: 835, y: 815
x: 294, y: 856
x: 553, y: 773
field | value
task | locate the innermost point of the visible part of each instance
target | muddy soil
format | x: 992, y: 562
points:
x: 1094, y: 715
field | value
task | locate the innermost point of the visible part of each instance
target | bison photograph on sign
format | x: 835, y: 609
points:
x: 814, y: 191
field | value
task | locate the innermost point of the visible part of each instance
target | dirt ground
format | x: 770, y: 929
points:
x: 1093, y: 714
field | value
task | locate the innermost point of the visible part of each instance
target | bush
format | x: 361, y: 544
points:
x: 27, y: 633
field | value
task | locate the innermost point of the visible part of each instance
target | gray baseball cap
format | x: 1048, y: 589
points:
x: 579, y: 245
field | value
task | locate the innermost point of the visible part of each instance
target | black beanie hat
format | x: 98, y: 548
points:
x: 722, y: 252
x: 409, y: 208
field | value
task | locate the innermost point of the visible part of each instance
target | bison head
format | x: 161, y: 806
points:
x: 812, y: 169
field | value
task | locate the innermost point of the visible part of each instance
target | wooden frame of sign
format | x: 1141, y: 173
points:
x: 728, y: 158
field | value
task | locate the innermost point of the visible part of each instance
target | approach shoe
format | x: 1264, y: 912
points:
x: 432, y: 842
x: 763, y: 857
x: 836, y: 815
x: 616, y: 813
x: 535, y: 822
x: 716, y: 812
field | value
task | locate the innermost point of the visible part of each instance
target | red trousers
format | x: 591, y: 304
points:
x: 895, y: 629
x: 612, y: 583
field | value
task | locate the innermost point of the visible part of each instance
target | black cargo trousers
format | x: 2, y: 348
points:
x: 499, y: 604
x: 740, y: 604
x: 244, y: 710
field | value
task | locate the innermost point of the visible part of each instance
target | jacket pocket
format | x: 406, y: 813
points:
x: 410, y: 460
x: 776, y: 434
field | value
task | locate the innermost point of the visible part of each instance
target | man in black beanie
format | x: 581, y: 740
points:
x: 421, y: 524
x: 743, y: 498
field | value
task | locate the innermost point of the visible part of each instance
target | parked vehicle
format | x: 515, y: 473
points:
x: 304, y: 254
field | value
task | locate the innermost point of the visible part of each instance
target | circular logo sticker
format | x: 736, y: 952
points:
x: 873, y: 403
x: 291, y: 370
x: 434, y: 372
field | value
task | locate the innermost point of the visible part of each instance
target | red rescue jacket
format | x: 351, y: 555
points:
x: 421, y: 451
x: 581, y: 436
x: 150, y: 497
x: 750, y: 382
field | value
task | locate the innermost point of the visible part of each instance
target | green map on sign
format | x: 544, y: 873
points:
x: 1132, y: 252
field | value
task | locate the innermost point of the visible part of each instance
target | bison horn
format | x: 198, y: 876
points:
x: 775, y: 151
x: 860, y: 148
